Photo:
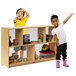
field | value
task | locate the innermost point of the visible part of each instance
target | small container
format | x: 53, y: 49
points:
x: 15, y: 41
x: 47, y: 54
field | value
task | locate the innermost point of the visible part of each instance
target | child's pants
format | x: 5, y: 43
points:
x: 61, y: 50
x: 20, y: 48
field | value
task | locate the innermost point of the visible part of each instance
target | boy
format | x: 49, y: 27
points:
x: 60, y: 38
x: 20, y: 21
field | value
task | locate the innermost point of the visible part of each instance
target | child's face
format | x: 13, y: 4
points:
x: 19, y: 14
x: 55, y: 22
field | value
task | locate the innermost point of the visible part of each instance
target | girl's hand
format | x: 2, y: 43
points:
x: 23, y: 10
x: 15, y: 19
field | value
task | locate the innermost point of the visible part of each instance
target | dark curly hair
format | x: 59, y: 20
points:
x: 20, y: 9
x: 53, y: 16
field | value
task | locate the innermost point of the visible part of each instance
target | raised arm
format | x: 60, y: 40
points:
x: 68, y: 18
x: 27, y: 14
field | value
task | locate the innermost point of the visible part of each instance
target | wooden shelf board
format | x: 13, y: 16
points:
x: 26, y: 27
x: 31, y: 44
x: 20, y: 63
x: 45, y: 59
x: 31, y: 62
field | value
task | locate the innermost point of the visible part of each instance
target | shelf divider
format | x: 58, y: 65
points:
x: 5, y: 47
x: 19, y: 36
x: 31, y: 52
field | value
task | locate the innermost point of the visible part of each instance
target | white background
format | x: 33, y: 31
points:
x: 40, y: 12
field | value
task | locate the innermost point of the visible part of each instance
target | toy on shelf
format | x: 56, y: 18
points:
x: 46, y: 52
x: 49, y: 37
x: 15, y: 41
x: 26, y: 39
x: 40, y: 37
x: 24, y: 59
x: 13, y: 58
x: 45, y: 48
x: 20, y: 59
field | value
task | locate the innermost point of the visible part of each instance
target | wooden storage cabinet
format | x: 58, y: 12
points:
x: 30, y: 47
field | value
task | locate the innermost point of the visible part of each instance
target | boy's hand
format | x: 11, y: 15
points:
x: 68, y: 18
x: 72, y: 14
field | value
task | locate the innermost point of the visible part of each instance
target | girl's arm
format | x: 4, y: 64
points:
x: 68, y: 18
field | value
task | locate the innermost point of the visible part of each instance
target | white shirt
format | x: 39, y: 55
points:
x: 59, y: 31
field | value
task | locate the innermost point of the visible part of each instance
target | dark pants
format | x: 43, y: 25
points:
x: 61, y: 50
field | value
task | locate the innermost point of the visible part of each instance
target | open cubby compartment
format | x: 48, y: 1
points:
x: 31, y: 36
x: 35, y: 34
x: 42, y: 30
x: 49, y: 37
x: 11, y: 36
x: 28, y: 56
x: 45, y: 55
x: 16, y: 37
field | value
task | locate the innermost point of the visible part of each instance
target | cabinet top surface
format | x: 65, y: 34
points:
x: 40, y: 26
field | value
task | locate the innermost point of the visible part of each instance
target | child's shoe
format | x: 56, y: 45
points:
x: 20, y: 59
x: 65, y: 63
x: 57, y: 63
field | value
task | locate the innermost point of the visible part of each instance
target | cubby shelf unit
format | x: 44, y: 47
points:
x: 30, y: 47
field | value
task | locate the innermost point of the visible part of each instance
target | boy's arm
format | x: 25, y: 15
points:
x: 68, y: 18
x: 56, y: 39
x: 27, y: 14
